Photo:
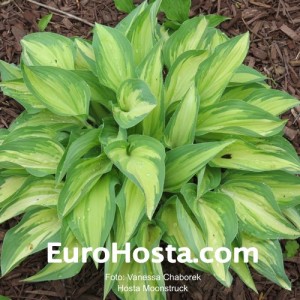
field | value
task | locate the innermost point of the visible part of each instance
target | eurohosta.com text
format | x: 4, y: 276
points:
x: 142, y: 255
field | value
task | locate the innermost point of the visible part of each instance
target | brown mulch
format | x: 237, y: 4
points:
x: 275, y: 50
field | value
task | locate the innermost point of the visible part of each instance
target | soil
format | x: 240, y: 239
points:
x: 275, y: 50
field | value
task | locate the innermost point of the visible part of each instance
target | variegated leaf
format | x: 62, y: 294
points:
x: 257, y: 155
x: 237, y: 117
x: 148, y: 269
x: 99, y: 93
x: 187, y: 37
x: 48, y: 49
x: 17, y: 90
x: 293, y: 214
x: 61, y: 91
x: 149, y: 235
x: 9, y: 71
x: 213, y: 38
x: 132, y: 207
x: 39, y: 156
x: 258, y: 212
x: 114, y: 56
x: 182, y: 231
x: 125, y: 24
x: 42, y: 192
x: 184, y: 162
x: 186, y: 113
x: 110, y: 131
x: 84, y: 55
x: 76, y: 150
x: 273, y: 101
x: 181, y: 75
x: 149, y: 238
x: 141, y: 159
x: 32, y: 234
x: 285, y: 187
x: 25, y: 133
x: 168, y: 217
x: 81, y: 178
x: 47, y: 118
x: 111, y: 267
x: 135, y: 102
x: 3, y: 134
x: 208, y: 179
x: 242, y: 270
x: 270, y: 260
x: 91, y: 220
x: 151, y: 71
x: 10, y: 185
x: 141, y: 33
x: 245, y: 75
x: 63, y: 270
x: 212, y: 77
x: 216, y: 215
x: 241, y: 92
x: 194, y: 238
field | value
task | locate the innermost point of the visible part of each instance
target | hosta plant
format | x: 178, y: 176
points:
x: 147, y: 134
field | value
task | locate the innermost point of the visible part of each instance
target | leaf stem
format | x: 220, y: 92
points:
x: 93, y: 120
x: 84, y: 122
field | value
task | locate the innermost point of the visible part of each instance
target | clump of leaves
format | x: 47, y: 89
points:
x: 146, y: 135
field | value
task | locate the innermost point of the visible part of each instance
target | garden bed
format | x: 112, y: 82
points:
x: 274, y: 50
